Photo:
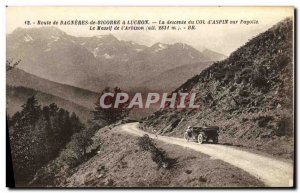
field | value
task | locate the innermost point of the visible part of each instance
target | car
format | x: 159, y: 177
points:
x: 202, y: 134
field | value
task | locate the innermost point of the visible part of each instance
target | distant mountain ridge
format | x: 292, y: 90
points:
x: 175, y: 76
x: 17, y: 77
x: 99, y: 61
x: 18, y: 95
x: 213, y: 56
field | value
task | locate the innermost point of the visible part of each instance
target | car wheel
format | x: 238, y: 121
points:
x: 200, y: 138
x: 186, y: 136
x: 215, y: 140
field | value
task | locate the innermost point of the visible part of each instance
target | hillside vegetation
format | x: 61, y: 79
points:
x: 140, y: 163
x: 249, y: 95
x: 37, y: 134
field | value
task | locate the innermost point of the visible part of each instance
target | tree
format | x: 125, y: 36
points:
x: 10, y: 64
x: 76, y: 124
x: 22, y: 139
x: 37, y: 135
x: 31, y: 111
x: 111, y: 114
x: 82, y: 140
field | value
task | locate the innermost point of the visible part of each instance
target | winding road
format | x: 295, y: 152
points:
x: 272, y: 172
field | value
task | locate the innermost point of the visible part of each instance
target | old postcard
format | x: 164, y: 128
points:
x: 122, y: 97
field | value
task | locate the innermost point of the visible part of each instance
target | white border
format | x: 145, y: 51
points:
x: 107, y: 3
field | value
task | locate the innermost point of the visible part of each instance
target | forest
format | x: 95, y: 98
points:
x: 38, y: 134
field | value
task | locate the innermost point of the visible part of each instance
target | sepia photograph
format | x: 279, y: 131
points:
x: 150, y: 97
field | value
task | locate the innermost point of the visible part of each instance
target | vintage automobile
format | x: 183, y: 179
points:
x: 202, y: 134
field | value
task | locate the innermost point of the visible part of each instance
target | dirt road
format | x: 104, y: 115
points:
x: 272, y: 172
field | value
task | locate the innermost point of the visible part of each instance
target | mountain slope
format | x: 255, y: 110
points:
x: 51, y: 54
x: 154, y: 60
x: 16, y: 96
x: 96, y: 62
x: 109, y: 49
x: 175, y: 76
x: 18, y: 77
x: 249, y: 95
x: 213, y: 56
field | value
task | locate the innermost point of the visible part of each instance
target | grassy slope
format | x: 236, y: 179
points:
x: 122, y: 163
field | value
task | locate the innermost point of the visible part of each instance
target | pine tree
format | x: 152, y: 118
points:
x: 112, y: 114
x: 31, y: 111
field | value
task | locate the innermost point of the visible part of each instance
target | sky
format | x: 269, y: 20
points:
x: 217, y: 37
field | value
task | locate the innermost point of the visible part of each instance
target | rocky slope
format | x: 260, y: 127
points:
x: 249, y: 95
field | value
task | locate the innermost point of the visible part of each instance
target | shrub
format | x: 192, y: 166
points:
x: 284, y: 127
x: 261, y: 82
x: 159, y: 156
x: 263, y: 121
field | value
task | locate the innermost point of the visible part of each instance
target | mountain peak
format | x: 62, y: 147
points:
x: 29, y: 34
x: 49, y: 29
x: 106, y: 37
x: 182, y: 45
x: 159, y: 46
